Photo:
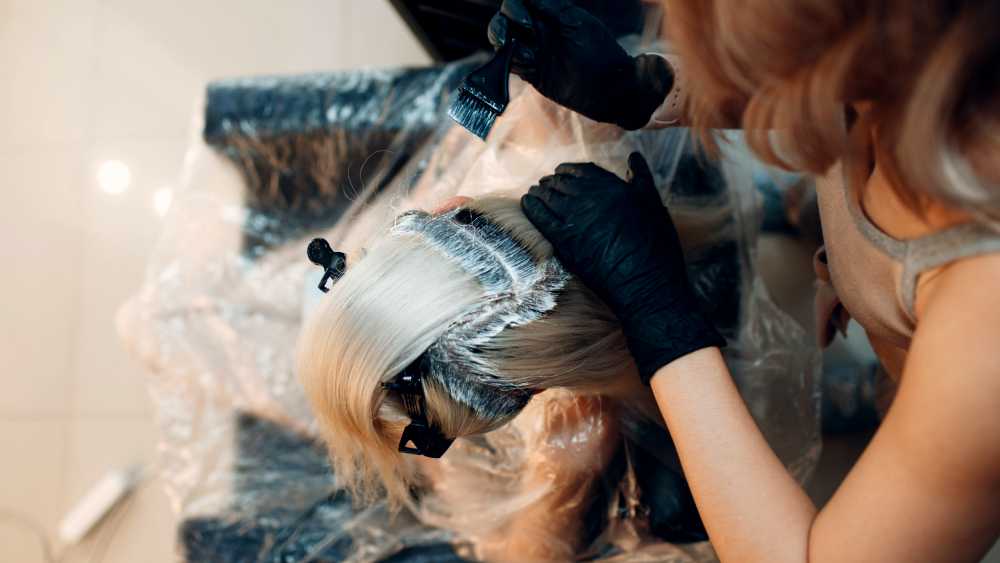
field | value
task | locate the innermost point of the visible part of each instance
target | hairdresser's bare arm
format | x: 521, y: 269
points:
x: 926, y: 489
x: 752, y: 508
x: 931, y: 476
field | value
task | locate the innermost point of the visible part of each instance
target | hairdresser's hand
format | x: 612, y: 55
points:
x: 619, y: 240
x: 574, y: 60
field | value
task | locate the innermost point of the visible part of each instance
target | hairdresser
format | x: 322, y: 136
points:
x: 895, y: 106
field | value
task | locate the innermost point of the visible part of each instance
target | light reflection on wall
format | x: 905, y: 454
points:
x: 162, y: 199
x: 113, y: 177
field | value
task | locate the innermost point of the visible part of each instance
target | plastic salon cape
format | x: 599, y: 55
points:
x: 215, y: 324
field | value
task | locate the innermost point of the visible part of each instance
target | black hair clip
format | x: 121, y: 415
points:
x: 427, y: 439
x: 320, y: 253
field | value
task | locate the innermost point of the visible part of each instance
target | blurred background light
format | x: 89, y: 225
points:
x: 113, y: 177
x: 162, y: 199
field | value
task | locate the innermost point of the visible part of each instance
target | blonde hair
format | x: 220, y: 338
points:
x: 393, y: 304
x: 787, y: 70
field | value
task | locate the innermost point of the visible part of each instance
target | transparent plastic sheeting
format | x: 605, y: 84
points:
x: 341, y: 156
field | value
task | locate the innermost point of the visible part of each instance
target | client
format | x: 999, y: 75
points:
x: 447, y: 328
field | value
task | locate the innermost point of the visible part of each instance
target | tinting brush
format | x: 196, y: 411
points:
x: 485, y: 93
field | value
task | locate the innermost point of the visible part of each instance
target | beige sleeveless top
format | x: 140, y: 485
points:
x: 867, y: 274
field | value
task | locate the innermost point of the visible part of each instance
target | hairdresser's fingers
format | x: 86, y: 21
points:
x: 545, y: 185
x: 547, y: 220
x: 556, y: 199
x: 576, y: 186
x: 641, y: 178
x: 524, y: 62
x: 547, y: 8
x: 558, y: 182
x: 578, y: 169
x: 497, y: 31
x: 564, y: 185
x: 583, y: 170
x: 547, y: 182
x: 638, y: 169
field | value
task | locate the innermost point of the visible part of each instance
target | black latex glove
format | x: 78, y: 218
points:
x: 619, y: 240
x: 573, y: 59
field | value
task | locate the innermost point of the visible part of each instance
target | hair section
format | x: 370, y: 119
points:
x: 419, y: 287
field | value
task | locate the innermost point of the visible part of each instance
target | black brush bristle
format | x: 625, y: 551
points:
x: 470, y: 112
x: 484, y: 94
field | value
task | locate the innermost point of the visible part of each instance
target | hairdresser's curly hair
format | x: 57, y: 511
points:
x: 787, y: 70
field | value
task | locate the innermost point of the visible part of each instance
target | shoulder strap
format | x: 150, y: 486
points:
x: 938, y: 249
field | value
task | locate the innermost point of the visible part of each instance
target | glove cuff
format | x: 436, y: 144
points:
x: 699, y: 334
x: 659, y: 331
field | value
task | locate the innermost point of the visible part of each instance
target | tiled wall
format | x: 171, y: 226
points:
x: 85, y: 82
